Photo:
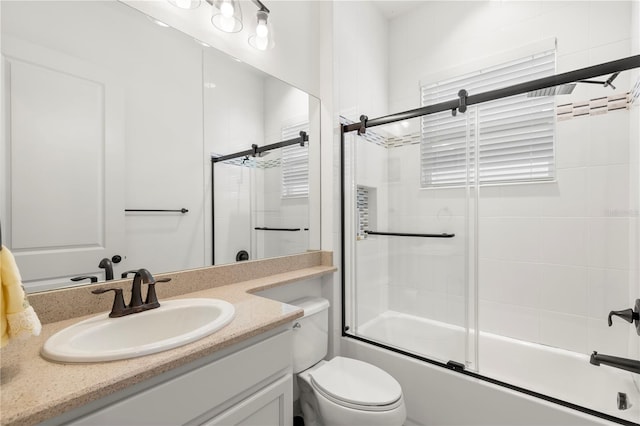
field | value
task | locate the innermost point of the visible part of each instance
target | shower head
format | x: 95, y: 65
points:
x: 564, y: 89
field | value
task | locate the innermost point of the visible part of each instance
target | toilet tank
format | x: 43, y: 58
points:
x: 310, y: 333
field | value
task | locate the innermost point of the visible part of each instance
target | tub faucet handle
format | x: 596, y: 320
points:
x: 626, y: 314
x: 630, y: 315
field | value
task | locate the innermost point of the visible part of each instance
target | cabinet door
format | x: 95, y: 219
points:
x: 61, y: 158
x: 271, y: 406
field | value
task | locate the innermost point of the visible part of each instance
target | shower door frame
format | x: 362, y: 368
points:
x: 455, y: 106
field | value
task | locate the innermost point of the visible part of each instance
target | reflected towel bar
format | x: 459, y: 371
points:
x: 257, y: 228
x: 182, y: 210
x: 403, y: 234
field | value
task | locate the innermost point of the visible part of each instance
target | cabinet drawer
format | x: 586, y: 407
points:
x: 185, y: 397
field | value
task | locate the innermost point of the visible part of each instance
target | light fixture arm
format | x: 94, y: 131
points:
x: 258, y: 4
x: 261, y: 6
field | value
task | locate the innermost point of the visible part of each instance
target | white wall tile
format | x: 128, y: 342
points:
x: 507, y: 238
x: 563, y: 331
x: 564, y: 241
x: 608, y: 193
x: 609, y: 21
x: 567, y: 197
x: 563, y: 289
x: 511, y: 321
x: 608, y: 243
x: 432, y: 305
x: 609, y: 137
x: 572, y: 142
x: 402, y: 299
x: 515, y: 283
x: 608, y: 340
x: 608, y: 290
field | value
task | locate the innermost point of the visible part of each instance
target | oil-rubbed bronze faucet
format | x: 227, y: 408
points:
x: 142, y: 276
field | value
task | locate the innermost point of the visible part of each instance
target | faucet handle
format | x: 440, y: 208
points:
x: 118, y: 308
x: 93, y: 278
x: 152, y: 298
x: 125, y: 273
x: 629, y: 315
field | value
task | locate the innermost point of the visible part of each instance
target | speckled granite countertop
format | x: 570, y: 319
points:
x: 33, y: 389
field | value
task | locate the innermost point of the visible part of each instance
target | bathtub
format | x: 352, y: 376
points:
x: 558, y: 373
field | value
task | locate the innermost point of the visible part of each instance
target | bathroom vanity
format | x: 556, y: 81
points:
x: 249, y: 384
x: 238, y: 375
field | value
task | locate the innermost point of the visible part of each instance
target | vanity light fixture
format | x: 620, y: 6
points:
x: 262, y: 39
x: 185, y: 4
x: 227, y: 15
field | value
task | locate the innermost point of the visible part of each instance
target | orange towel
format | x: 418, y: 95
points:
x: 17, y: 317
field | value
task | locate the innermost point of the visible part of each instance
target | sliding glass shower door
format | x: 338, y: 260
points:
x: 409, y: 251
x: 280, y: 202
x: 527, y: 279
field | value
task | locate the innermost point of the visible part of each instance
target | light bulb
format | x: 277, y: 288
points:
x: 261, y: 43
x: 227, y: 23
x: 226, y: 9
x: 262, y: 30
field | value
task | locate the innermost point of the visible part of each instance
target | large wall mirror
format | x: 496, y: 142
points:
x: 110, y: 124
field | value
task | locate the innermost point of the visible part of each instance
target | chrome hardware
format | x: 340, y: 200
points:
x: 297, y: 325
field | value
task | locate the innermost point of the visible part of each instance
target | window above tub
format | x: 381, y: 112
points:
x: 515, y: 134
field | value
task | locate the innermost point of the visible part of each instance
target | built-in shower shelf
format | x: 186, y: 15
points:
x: 404, y: 234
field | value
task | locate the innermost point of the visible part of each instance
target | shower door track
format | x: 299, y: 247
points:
x: 464, y: 99
x: 460, y: 105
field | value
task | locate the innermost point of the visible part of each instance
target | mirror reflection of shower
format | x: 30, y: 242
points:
x: 271, y: 207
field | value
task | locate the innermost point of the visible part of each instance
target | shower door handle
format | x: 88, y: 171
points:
x: 629, y: 315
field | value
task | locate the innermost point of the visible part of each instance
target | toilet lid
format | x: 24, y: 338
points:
x: 356, y: 383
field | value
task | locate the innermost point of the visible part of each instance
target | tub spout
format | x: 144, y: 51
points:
x: 617, y: 362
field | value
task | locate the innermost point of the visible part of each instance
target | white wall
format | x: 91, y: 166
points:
x: 293, y: 59
x: 360, y: 87
x: 360, y: 59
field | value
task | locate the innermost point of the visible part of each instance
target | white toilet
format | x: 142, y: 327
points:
x: 342, y: 391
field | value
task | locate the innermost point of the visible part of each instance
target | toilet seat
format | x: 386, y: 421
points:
x: 356, y: 384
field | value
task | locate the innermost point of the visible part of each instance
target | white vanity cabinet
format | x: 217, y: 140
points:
x: 250, y: 384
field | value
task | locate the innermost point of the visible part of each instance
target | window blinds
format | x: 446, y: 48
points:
x: 295, y: 163
x: 516, y: 134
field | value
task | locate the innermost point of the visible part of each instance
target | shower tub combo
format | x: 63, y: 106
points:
x: 515, y: 362
x: 410, y: 328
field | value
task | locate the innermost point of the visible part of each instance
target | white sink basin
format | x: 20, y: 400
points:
x: 174, y: 323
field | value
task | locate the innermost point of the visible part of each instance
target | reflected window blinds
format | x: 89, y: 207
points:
x: 295, y: 163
